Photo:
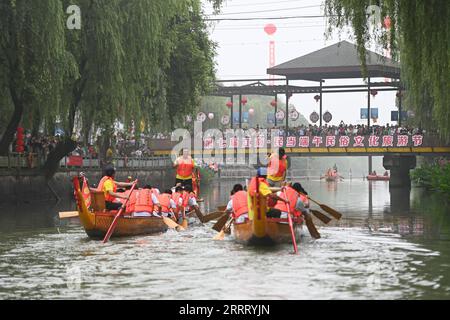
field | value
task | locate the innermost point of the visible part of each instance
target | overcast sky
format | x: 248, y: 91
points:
x: 243, y: 52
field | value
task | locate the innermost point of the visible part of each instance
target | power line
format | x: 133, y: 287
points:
x: 266, y: 18
x: 261, y: 3
x: 259, y: 27
x: 265, y: 42
x: 270, y: 10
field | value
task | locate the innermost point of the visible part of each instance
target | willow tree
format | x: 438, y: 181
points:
x: 419, y: 37
x: 32, y: 59
x: 191, y: 69
x: 125, y: 54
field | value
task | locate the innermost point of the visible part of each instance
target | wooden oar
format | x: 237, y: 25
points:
x: 311, y: 227
x: 224, y: 230
x: 319, y: 215
x: 199, y: 214
x: 68, y: 214
x: 172, y: 224
x: 184, y: 223
x: 221, y: 223
x: 212, y: 216
x: 291, y: 225
x: 331, y: 211
x: 116, y: 218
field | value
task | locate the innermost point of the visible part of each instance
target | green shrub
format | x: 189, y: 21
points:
x: 433, y: 177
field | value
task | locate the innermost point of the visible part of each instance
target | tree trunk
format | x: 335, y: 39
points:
x: 8, y: 135
x: 61, y: 150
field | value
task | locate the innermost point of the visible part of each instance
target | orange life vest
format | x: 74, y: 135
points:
x: 277, y: 168
x: 140, y: 201
x: 164, y: 201
x: 240, y: 203
x: 108, y: 197
x: 305, y: 200
x: 252, y: 185
x: 176, y: 197
x: 292, y: 197
x: 185, y: 167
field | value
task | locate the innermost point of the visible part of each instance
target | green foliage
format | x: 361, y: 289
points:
x: 433, y: 177
x: 32, y: 54
x: 419, y: 38
x: 132, y: 62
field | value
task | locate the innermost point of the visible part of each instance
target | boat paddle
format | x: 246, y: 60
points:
x: 291, y: 225
x: 311, y: 227
x: 184, y: 223
x: 224, y: 230
x: 212, y: 216
x: 319, y: 215
x: 68, y: 214
x: 221, y: 222
x: 222, y: 208
x: 116, y: 218
x: 172, y: 224
x: 331, y: 211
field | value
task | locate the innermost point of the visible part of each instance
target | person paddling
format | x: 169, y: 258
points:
x: 297, y: 203
x: 167, y: 204
x: 238, y: 204
x: 109, y: 187
x: 142, y: 202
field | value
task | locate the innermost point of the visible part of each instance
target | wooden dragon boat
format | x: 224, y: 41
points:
x: 96, y: 220
x: 378, y: 178
x: 260, y: 230
x: 331, y: 178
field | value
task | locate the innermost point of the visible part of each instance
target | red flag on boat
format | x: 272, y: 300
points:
x: 86, y: 193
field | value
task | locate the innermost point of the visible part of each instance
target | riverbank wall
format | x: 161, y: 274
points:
x: 23, y: 187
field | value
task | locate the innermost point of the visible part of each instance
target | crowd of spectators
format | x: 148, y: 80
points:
x: 350, y: 130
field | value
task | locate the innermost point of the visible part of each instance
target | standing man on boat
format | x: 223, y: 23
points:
x: 185, y: 166
x: 109, y: 188
x: 277, y: 168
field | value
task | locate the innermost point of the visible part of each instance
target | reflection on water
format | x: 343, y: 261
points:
x: 378, y: 251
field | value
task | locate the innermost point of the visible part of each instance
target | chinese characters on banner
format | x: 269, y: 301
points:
x: 261, y: 141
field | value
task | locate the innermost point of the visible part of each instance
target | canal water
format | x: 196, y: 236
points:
x: 379, y: 250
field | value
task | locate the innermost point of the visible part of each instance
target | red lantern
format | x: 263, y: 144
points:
x: 373, y: 93
x: 270, y: 29
x: 317, y: 98
x: 273, y: 103
x: 19, y: 141
x: 244, y: 101
x: 387, y: 22
x: 229, y: 104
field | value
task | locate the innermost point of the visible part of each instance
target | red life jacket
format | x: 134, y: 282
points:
x: 185, y: 197
x: 252, y: 185
x: 185, y: 167
x: 140, y: 201
x: 305, y: 200
x: 277, y: 167
x: 292, y: 197
x: 108, y: 197
x: 164, y: 201
x: 240, y: 203
x: 176, y: 197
